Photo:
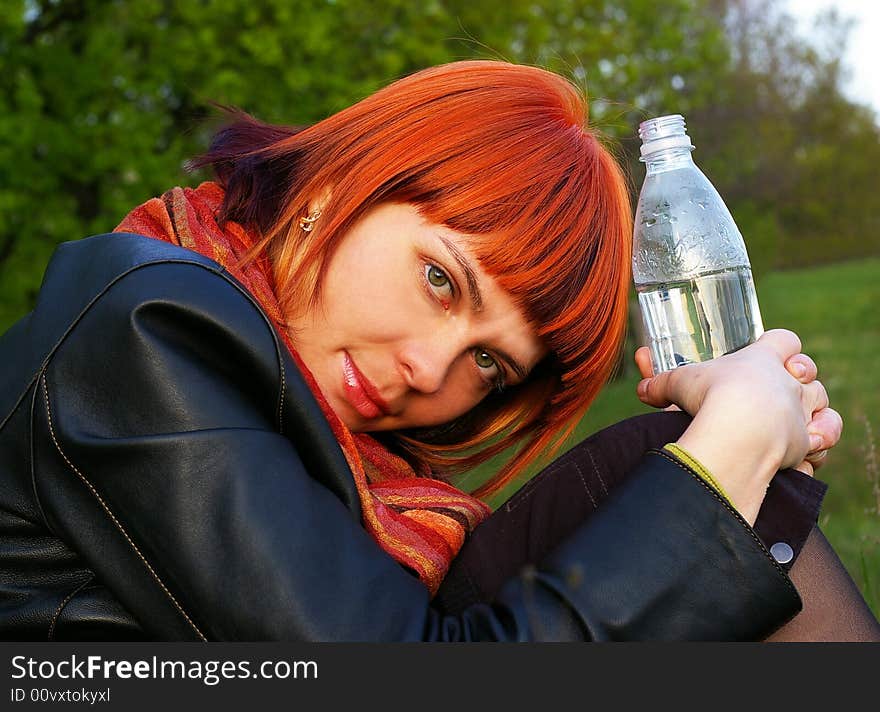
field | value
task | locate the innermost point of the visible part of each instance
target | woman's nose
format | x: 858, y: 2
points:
x: 426, y: 362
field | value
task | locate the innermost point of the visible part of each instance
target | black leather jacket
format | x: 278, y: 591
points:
x: 167, y: 474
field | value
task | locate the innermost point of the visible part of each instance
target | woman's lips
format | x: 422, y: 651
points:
x: 362, y: 394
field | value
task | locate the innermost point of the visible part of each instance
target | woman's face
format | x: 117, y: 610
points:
x: 410, y: 331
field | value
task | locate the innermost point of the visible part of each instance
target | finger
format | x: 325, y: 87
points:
x: 802, y: 367
x: 824, y: 429
x: 806, y: 467
x: 653, y: 391
x: 643, y: 361
x: 783, y: 342
x: 815, y: 396
x: 817, y: 459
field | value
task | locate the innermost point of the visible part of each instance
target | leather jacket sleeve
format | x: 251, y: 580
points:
x: 177, y: 449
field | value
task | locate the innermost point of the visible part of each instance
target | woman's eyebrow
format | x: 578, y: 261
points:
x: 477, y: 298
x: 517, y: 367
x: 469, y: 275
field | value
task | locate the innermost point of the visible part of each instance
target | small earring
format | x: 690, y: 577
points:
x: 307, y: 223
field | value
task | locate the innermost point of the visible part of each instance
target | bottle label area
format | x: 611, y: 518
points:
x: 701, y: 318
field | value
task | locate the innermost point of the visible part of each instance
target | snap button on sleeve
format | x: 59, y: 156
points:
x: 782, y: 552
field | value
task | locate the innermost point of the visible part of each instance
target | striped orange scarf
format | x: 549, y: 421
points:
x: 419, y: 521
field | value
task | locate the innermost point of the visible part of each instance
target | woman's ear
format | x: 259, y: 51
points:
x: 315, y: 208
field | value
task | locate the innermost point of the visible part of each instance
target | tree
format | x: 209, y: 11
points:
x: 102, y: 101
x: 794, y: 159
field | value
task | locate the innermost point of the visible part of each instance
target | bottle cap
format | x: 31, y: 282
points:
x: 663, y: 132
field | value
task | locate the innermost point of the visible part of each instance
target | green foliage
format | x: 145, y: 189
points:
x: 763, y: 233
x: 101, y: 101
x: 796, y: 161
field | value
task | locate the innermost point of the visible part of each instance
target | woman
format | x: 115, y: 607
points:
x: 240, y: 418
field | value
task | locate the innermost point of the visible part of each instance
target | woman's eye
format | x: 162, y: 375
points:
x: 483, y: 359
x: 436, y: 276
x: 438, y: 280
x: 486, y: 362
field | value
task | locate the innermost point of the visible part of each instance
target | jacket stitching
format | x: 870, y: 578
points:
x: 584, y: 483
x: 522, y: 495
x: 63, y: 604
x: 37, y: 500
x: 560, y: 463
x: 247, y: 295
x: 113, y: 517
x: 731, y: 509
x: 596, y: 470
x: 281, y: 397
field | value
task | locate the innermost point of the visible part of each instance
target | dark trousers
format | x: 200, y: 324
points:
x: 551, y: 505
x: 559, y: 498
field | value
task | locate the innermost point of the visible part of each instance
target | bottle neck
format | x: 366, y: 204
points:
x: 668, y: 159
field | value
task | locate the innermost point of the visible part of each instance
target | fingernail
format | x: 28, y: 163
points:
x: 799, y: 370
x: 815, y: 442
x: 642, y: 388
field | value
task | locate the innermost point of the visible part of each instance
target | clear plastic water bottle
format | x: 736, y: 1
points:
x: 690, y: 266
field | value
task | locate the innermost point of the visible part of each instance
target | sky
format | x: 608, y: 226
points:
x: 863, y: 50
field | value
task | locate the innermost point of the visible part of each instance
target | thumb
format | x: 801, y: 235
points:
x: 655, y: 391
x: 782, y: 342
x: 643, y: 361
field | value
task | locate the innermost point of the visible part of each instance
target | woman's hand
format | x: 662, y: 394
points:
x: 826, y: 425
x: 755, y: 411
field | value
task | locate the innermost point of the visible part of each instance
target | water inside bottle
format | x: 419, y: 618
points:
x: 701, y: 318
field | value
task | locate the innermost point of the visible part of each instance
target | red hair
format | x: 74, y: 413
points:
x: 498, y: 151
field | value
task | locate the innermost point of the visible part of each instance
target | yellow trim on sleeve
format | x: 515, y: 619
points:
x: 696, y: 466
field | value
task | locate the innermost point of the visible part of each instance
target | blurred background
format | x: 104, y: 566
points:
x: 102, y: 101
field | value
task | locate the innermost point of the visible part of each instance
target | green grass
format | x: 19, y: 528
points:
x: 836, y: 312
x: 835, y: 309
